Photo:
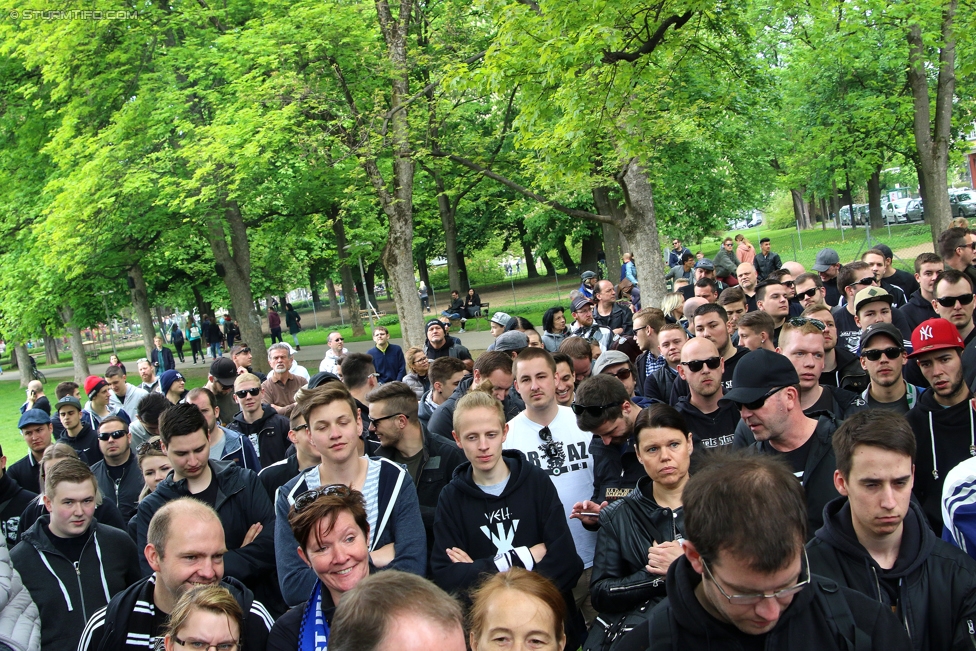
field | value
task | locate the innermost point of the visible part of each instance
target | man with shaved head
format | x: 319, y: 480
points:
x: 712, y: 425
x: 746, y: 273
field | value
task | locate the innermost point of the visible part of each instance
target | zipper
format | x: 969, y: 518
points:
x: 633, y: 586
x: 972, y: 632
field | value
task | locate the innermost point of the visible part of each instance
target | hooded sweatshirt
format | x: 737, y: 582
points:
x: 268, y: 434
x: 917, y: 310
x: 931, y: 587
x: 13, y: 501
x: 945, y: 437
x: 497, y: 532
x: 710, y: 431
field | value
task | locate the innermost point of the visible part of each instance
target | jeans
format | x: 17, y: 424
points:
x: 451, y: 315
x: 295, y: 337
x: 196, y: 347
x: 215, y: 350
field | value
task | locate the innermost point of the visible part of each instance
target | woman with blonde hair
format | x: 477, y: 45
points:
x: 418, y: 365
x: 519, y: 609
x: 672, y: 306
x: 745, y: 251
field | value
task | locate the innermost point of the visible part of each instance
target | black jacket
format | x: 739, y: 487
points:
x: 126, y: 622
x: 931, y: 588
x: 710, y: 431
x: 627, y: 528
x: 497, y: 531
x: 278, y: 474
x: 125, y: 493
x: 13, y: 500
x: 85, y: 444
x: 268, y: 434
x: 442, y: 420
x: 806, y: 625
x: 105, y: 513
x: 659, y: 384
x: 818, y: 474
x: 27, y: 473
x: 437, y: 466
x: 848, y: 375
x: 616, y: 469
x: 952, y: 445
x: 67, y: 595
x: 162, y: 359
x: 241, y: 501
x: 619, y: 317
x: 766, y: 264
x: 917, y: 310
x: 213, y: 333
x: 843, y: 404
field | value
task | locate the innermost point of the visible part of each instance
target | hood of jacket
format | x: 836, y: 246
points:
x: 464, y: 479
x: 917, y: 541
x: 267, y: 411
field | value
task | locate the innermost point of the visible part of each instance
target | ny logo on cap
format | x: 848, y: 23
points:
x: 925, y: 333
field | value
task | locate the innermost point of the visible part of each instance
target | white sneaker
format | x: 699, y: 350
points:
x: 461, y: 331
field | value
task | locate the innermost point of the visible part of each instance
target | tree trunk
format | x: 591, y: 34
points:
x: 203, y: 307
x: 345, y: 273
x: 463, y: 274
x: 932, y: 139
x: 78, y: 358
x: 639, y: 226
x: 333, y: 297
x: 874, y: 200
x: 566, y: 258
x: 824, y: 211
x: 449, y: 223
x: 530, y: 270
x: 424, y: 272
x: 313, y: 288
x: 550, y: 267
x: 140, y: 301
x: 51, y: 349
x: 605, y: 205
x: 370, y: 274
x: 589, y: 252
x: 799, y: 211
x: 23, y: 364
x: 236, y: 260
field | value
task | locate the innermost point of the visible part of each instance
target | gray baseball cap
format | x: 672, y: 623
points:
x: 511, y: 340
x: 826, y: 258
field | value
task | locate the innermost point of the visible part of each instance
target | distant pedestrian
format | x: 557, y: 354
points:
x: 214, y: 335
x: 424, y: 298
x: 294, y: 323
x: 745, y: 250
x: 274, y: 325
x: 628, y: 270
x: 176, y: 336
x: 193, y: 334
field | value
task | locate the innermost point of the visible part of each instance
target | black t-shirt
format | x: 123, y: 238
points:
x: 159, y: 623
x: 824, y: 403
x: 115, y: 472
x: 848, y: 334
x: 898, y: 406
x: 904, y: 280
x: 70, y: 547
x: 797, y: 459
x: 209, y: 494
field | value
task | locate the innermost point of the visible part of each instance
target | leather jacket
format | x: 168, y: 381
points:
x: 619, y: 582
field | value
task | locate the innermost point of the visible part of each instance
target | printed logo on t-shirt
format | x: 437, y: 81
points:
x: 503, y: 534
x: 570, y: 457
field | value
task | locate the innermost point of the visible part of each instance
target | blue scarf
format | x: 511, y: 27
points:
x: 314, y: 632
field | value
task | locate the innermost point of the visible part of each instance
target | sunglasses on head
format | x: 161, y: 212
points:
x: 866, y: 282
x: 894, y: 352
x: 758, y: 404
x: 592, y: 410
x: 810, y: 293
x: 696, y: 364
x: 306, y: 499
x: 248, y: 392
x: 117, y: 434
x: 800, y: 321
x: 155, y: 443
x: 950, y: 301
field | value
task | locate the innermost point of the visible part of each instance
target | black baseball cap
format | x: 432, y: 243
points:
x: 757, y: 373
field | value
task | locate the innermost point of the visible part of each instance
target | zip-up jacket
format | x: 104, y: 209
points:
x: 497, y: 532
x: 551, y: 340
x: 162, y: 359
x: 126, y: 623
x: 125, y: 492
x: 945, y: 438
x: 278, y: 474
x: 627, y: 528
x: 425, y: 409
x: 616, y: 469
x: 931, y: 587
x: 818, y: 473
x: 105, y: 513
x: 659, y: 384
x: 710, y: 431
x: 442, y: 419
x: 268, y: 434
x: 67, y: 593
x: 130, y: 401
x: 241, y: 502
x: 437, y: 465
x: 13, y: 500
x: 20, y: 622
x: 394, y: 517
x: 848, y: 374
x: 917, y: 310
x: 843, y: 404
x: 239, y: 449
x: 85, y: 444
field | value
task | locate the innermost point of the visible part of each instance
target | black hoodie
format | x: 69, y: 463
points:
x: 931, y: 588
x: 268, y: 434
x: 497, y: 531
x: 710, y: 431
x: 952, y: 445
x: 806, y: 624
x: 13, y: 501
x: 917, y: 310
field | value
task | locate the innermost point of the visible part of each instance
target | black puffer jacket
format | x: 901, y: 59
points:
x: 932, y: 586
x: 627, y: 528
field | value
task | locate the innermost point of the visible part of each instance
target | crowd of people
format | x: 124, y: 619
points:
x: 774, y: 459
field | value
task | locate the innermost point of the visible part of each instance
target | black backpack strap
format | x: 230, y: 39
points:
x: 841, y: 616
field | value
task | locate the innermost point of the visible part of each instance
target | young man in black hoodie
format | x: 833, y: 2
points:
x: 499, y: 511
x: 743, y: 582
x: 841, y: 367
x: 875, y: 539
x: 712, y: 423
x: 928, y: 266
x: 943, y: 418
x: 77, y: 433
x: 265, y: 427
x: 118, y: 474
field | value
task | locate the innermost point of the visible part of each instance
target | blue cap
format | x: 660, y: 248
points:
x: 33, y: 417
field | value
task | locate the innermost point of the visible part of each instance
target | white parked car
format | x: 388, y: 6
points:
x: 896, y: 211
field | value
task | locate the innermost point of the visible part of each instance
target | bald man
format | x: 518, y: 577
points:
x: 712, y: 425
x: 746, y: 273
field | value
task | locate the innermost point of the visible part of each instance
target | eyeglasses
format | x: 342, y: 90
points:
x: 373, y: 421
x: 622, y: 374
x: 304, y: 500
x: 810, y: 293
x: 197, y: 645
x: 753, y: 599
x: 248, y: 392
x: 554, y: 452
x: 971, y: 245
x: 800, y: 321
x: 592, y: 410
x: 894, y: 352
x: 696, y: 365
x: 950, y: 301
x: 117, y: 434
x: 788, y: 283
x: 758, y: 404
x: 866, y: 282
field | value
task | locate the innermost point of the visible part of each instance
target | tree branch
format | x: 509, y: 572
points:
x: 651, y: 44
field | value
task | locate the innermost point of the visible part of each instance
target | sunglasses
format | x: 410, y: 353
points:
x: 967, y: 246
x: 788, y: 283
x: 758, y: 404
x: 306, y: 499
x: 592, y: 410
x: 894, y: 352
x: 241, y: 351
x: 950, y: 301
x: 810, y: 293
x: 866, y: 282
x: 622, y: 374
x: 117, y: 434
x: 553, y: 451
x: 800, y: 321
x: 248, y: 392
x: 696, y: 365
x: 155, y: 443
x: 373, y: 421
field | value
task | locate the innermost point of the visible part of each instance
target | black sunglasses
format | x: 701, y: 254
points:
x: 553, y: 451
x: 373, y: 421
x: 622, y: 374
x: 894, y: 352
x: 867, y: 282
x: 117, y: 434
x: 788, y: 283
x: 810, y: 293
x: 967, y: 246
x: 248, y: 392
x: 800, y: 321
x: 758, y: 404
x: 592, y: 410
x: 696, y: 365
x: 950, y: 301
x: 241, y: 351
x: 304, y: 500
